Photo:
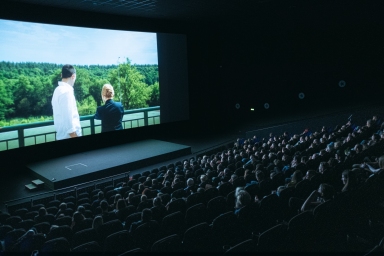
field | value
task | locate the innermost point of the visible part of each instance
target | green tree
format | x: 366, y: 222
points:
x: 95, y: 89
x: 129, y: 86
x: 23, y: 89
x: 86, y: 107
x: 155, y: 95
x: 82, y: 84
x: 5, y: 101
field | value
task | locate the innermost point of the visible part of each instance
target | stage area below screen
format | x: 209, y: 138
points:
x: 97, y: 164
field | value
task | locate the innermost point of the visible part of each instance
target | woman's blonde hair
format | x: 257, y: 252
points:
x: 107, y: 92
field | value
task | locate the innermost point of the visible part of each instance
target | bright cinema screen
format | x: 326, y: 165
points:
x: 31, y: 58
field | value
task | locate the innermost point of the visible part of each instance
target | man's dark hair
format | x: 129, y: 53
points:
x: 42, y: 211
x: 327, y: 190
x: 67, y: 71
x: 260, y: 175
x: 104, y: 205
x: 81, y: 209
x: 157, y: 201
x: 146, y: 215
x: 63, y: 206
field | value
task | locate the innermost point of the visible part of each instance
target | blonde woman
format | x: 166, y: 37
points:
x: 111, y: 113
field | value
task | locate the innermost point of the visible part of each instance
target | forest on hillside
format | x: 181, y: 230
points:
x: 26, y: 88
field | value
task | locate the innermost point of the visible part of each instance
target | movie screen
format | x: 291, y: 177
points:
x: 31, y: 59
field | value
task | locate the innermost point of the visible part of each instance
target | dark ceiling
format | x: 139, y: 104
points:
x: 180, y: 10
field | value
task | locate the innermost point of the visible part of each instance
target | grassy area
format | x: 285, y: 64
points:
x: 29, y: 120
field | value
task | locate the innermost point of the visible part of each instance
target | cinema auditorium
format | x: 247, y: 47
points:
x: 245, y: 127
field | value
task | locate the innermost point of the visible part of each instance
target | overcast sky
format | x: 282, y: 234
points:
x: 34, y: 42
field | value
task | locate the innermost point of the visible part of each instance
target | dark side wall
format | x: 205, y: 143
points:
x: 280, y: 51
x: 269, y: 56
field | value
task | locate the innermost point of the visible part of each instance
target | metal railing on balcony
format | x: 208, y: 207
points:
x: 40, y: 132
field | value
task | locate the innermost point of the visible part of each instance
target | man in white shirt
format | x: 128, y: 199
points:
x: 65, y: 115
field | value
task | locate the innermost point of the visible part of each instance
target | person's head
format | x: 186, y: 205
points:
x: 107, y: 92
x: 200, y: 190
x: 304, y: 159
x: 130, y: 195
x: 227, y: 171
x: 157, y: 201
x: 120, y: 204
x: 117, y: 198
x: 53, y: 227
x: 310, y: 174
x: 42, y: 211
x: 323, y: 166
x: 279, y: 189
x: 154, y: 182
x: 233, y: 178
x: 358, y: 148
x: 143, y: 198
x: 326, y: 191
x: 63, y: 206
x: 97, y: 222
x: 104, y: 206
x: 260, y: 176
x: 77, y: 217
x: 375, y: 137
x: 146, y: 215
x: 81, y: 209
x: 68, y: 74
x: 344, y: 176
x: 190, y: 182
x: 297, y: 176
x: 243, y: 199
x: 238, y: 190
x: 203, y: 178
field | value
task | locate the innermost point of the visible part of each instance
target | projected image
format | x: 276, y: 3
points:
x: 31, y: 59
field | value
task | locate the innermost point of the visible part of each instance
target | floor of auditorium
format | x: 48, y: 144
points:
x: 12, y: 186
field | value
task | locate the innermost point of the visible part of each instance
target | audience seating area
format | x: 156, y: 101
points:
x: 316, y: 191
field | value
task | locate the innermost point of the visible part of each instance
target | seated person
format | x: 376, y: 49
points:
x: 148, y: 182
x: 146, y: 216
x: 97, y: 222
x: 96, y: 203
x: 297, y: 176
x: 191, y: 187
x: 113, y: 205
x: 121, y: 210
x: 204, y: 181
x: 41, y: 216
x: 129, y: 198
x: 156, y: 185
x: 177, y: 184
x: 158, y: 209
x: 309, y: 174
x: 324, y: 193
x: 62, y: 208
x: 243, y: 199
x: 144, y: 203
x: 107, y: 216
x: 78, y: 223
x: 349, y: 180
